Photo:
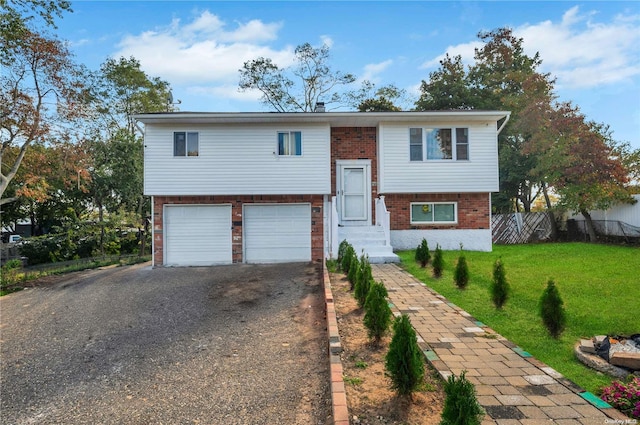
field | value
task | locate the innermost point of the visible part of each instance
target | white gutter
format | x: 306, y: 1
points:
x: 506, y: 120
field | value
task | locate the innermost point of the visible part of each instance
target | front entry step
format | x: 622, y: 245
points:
x: 369, y: 240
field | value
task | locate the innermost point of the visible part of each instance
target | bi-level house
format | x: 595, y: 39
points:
x: 279, y: 187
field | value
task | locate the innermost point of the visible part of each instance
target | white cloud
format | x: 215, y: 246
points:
x: 326, y: 40
x: 578, y: 51
x: 582, y: 53
x: 372, y: 70
x: 203, y: 51
x: 465, y: 50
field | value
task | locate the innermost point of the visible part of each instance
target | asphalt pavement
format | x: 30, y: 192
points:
x: 239, y: 344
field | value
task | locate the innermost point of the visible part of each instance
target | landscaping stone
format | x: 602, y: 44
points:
x: 586, y: 345
x: 624, y: 359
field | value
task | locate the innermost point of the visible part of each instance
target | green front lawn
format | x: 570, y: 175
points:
x: 600, y: 286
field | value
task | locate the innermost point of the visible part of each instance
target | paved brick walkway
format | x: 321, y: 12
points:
x: 512, y: 386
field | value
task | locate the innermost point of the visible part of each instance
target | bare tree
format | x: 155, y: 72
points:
x: 314, y: 81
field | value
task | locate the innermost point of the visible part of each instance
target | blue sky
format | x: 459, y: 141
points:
x: 591, y: 47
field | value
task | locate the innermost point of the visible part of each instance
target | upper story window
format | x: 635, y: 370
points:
x: 289, y: 143
x: 426, y: 144
x: 185, y: 143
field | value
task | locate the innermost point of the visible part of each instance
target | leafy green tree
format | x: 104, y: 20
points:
x: 349, y: 255
x: 438, y: 262
x: 383, y: 99
x: 42, y: 95
x: 352, y: 275
x: 404, y: 362
x: 552, y: 310
x: 300, y: 87
x: 461, y: 406
x: 461, y: 272
x: 363, y: 281
x: 19, y: 17
x: 580, y: 161
x: 377, y: 317
x: 422, y: 253
x: 499, y: 286
x: 123, y: 89
x: 503, y: 77
x: 448, y: 88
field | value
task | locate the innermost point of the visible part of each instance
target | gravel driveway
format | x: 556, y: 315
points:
x: 240, y: 344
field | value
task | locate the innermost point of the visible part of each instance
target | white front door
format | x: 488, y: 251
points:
x: 354, y: 191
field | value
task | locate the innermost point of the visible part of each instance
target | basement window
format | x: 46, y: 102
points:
x: 434, y: 213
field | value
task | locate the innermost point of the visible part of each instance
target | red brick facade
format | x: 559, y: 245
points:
x: 474, y: 211
x: 236, y: 202
x: 355, y: 143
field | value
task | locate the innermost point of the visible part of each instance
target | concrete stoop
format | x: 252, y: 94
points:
x: 369, y: 240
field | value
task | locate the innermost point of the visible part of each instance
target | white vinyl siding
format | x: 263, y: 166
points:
x: 197, y: 235
x: 277, y: 233
x: 237, y: 160
x: 399, y: 174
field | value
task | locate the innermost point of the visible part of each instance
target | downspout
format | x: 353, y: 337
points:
x: 153, y: 219
x: 506, y: 120
x: 140, y: 129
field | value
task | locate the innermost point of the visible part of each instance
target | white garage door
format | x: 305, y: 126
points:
x: 277, y: 233
x: 197, y: 235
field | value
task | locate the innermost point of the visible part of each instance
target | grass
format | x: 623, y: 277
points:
x: 598, y: 284
x: 15, y: 279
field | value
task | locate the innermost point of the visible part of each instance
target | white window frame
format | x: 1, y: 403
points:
x: 186, y: 144
x: 454, y: 144
x: 434, y: 223
x: 291, y: 143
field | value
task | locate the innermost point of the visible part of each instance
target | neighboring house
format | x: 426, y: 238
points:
x: 619, y: 220
x: 275, y: 187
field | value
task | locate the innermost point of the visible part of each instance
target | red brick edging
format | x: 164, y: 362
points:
x: 339, y: 407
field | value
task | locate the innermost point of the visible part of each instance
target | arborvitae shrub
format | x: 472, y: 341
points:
x: 404, y: 361
x: 438, y: 262
x: 349, y: 253
x: 461, y: 273
x: 422, y: 253
x: 342, y: 250
x: 377, y: 317
x: 354, y: 265
x: 552, y: 311
x: 460, y: 405
x: 499, y: 287
x: 363, y: 283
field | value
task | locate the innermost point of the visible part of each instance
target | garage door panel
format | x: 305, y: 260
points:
x: 198, y: 235
x: 277, y: 233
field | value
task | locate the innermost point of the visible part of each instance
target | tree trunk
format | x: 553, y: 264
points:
x: 552, y: 218
x: 100, y: 220
x: 589, y: 225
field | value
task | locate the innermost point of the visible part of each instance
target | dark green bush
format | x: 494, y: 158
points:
x: 499, y: 287
x: 342, y: 250
x: 404, y: 361
x: 349, y: 253
x: 552, y: 310
x: 377, y: 317
x: 422, y: 253
x: 460, y: 405
x: 438, y: 262
x: 352, y: 276
x: 461, y: 273
x: 363, y: 281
